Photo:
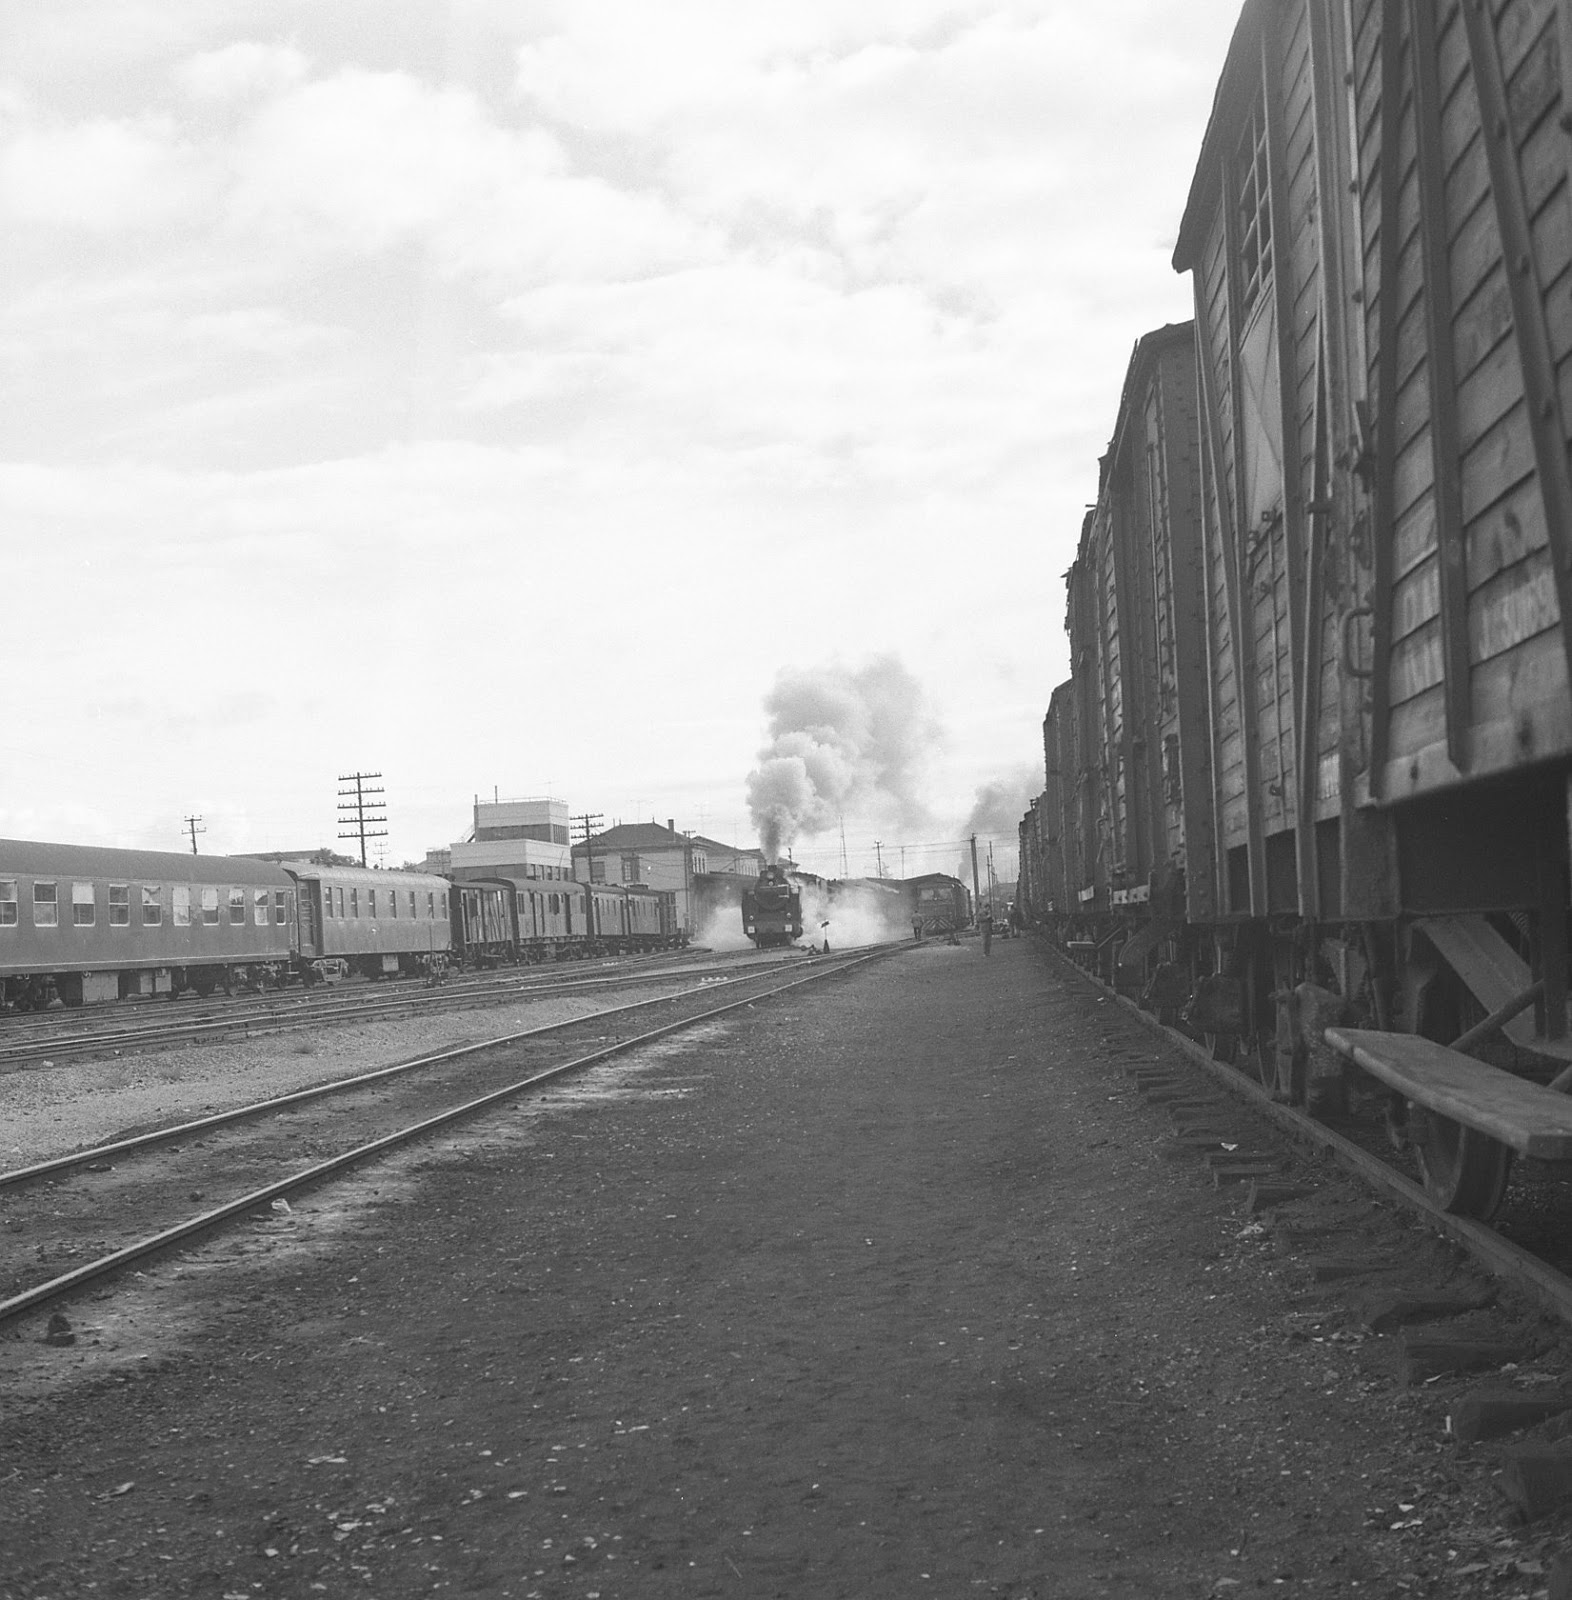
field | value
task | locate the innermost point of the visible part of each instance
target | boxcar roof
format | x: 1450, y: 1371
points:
x: 1241, y: 70
x: 168, y: 866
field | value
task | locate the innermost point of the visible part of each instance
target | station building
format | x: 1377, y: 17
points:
x: 661, y: 858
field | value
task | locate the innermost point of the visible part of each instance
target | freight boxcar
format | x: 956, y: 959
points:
x: 81, y: 924
x: 1372, y: 805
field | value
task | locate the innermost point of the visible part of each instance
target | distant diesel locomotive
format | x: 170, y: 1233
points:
x: 772, y: 909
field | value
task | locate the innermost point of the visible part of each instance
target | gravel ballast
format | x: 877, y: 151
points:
x: 887, y: 1287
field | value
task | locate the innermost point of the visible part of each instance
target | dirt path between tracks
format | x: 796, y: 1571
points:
x: 889, y: 1288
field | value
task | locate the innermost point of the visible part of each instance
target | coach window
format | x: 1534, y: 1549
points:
x: 444, y: 908
x: 83, y: 908
x: 210, y: 908
x: 393, y: 904
x: 152, y: 908
x: 371, y: 902
x: 237, y: 908
x: 431, y: 903
x: 280, y: 907
x: 46, y: 910
x: 182, y: 906
x: 8, y: 905
x: 354, y: 902
x: 412, y: 908
x: 340, y: 902
x: 120, y: 905
x: 259, y: 907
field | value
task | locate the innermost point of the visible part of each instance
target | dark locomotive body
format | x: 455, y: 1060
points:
x: 772, y: 909
x: 940, y: 904
x: 1308, y: 785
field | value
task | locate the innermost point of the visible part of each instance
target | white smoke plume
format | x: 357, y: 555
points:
x: 839, y: 740
x: 856, y: 916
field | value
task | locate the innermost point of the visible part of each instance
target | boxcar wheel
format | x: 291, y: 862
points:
x: 1465, y: 1171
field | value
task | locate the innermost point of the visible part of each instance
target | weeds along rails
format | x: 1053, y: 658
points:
x: 115, y: 1202
x: 1307, y: 788
x: 81, y: 925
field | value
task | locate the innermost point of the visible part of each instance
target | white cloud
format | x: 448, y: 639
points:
x: 100, y: 174
x: 369, y: 162
x: 242, y: 69
x: 323, y: 341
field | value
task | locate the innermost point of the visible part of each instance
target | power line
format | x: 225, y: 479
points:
x: 359, y: 808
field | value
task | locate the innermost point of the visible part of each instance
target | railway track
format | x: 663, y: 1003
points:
x: 108, y: 1206
x: 1528, y: 1249
x: 62, y: 1036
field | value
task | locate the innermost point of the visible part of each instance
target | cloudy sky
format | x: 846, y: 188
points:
x: 506, y: 394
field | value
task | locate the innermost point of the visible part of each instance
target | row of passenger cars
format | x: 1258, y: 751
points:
x: 81, y: 924
x: 1308, y: 784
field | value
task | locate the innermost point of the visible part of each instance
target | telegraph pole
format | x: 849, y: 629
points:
x: 878, y: 856
x: 359, y: 808
x: 589, y: 821
x: 845, y: 870
x: 195, y: 825
x: 976, y: 884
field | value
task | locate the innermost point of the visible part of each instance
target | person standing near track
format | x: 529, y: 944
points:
x: 985, y: 921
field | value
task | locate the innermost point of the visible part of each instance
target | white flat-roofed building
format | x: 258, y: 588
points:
x: 518, y: 838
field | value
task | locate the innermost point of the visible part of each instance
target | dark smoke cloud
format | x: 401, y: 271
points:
x: 839, y: 740
x: 1000, y: 804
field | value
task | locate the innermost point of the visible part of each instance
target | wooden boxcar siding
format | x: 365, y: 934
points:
x: 1165, y: 501
x: 1064, y: 869
x: 1114, y: 816
x: 1504, y: 627
x: 1302, y: 231
x: 1227, y: 727
x: 1086, y: 725
x: 1189, y: 819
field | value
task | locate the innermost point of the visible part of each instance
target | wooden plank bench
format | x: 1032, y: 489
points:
x: 1532, y: 1120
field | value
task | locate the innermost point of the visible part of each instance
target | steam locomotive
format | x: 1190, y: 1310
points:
x: 772, y: 909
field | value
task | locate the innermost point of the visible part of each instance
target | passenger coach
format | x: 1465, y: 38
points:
x: 83, y: 924
x: 354, y: 919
